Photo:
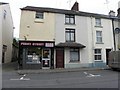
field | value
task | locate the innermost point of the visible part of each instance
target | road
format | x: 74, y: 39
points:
x: 80, y: 79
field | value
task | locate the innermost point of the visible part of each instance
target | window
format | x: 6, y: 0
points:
x: 5, y: 13
x: 98, y: 55
x: 97, y: 21
x: 33, y: 55
x: 69, y: 19
x: 70, y: 35
x: 39, y: 15
x: 74, y: 55
x: 99, y: 36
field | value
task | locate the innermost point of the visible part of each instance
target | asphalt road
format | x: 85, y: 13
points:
x: 81, y: 79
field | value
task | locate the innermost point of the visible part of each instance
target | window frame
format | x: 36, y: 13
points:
x: 75, y: 50
x: 69, y: 17
x: 99, y: 38
x: 98, y: 22
x: 70, y: 32
x: 39, y: 15
x: 98, y: 54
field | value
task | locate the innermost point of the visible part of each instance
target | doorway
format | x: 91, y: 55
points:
x: 3, y: 57
x: 107, y: 55
x: 60, y: 58
x: 46, y: 55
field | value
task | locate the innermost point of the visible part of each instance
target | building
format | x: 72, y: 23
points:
x: 6, y: 33
x: 58, y: 38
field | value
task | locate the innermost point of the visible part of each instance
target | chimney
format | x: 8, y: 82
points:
x: 75, y: 6
x: 111, y: 13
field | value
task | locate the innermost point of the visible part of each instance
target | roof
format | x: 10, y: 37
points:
x: 2, y: 3
x: 70, y: 44
x: 63, y: 11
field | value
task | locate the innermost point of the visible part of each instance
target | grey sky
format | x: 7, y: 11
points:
x: 93, y: 6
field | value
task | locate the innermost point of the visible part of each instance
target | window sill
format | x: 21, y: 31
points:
x: 97, y: 60
x: 69, y: 24
x: 99, y: 43
x: 99, y: 26
x: 74, y: 62
x: 39, y: 21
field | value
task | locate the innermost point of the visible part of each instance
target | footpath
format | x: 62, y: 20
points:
x: 13, y: 66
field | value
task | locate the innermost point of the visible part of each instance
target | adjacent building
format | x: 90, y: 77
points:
x: 6, y: 33
x: 58, y: 38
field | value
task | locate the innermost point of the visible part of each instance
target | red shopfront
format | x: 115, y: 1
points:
x: 36, y: 54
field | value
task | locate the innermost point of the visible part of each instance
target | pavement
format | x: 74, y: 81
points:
x: 13, y: 66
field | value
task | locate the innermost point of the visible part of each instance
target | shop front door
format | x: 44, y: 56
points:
x: 59, y: 58
x: 46, y: 55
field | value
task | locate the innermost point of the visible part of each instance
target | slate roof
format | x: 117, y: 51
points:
x: 70, y: 44
x: 63, y: 11
x: 2, y: 3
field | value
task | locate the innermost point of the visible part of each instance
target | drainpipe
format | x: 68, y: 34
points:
x: 112, y: 17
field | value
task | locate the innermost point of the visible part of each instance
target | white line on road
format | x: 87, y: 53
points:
x: 92, y: 75
x: 21, y: 78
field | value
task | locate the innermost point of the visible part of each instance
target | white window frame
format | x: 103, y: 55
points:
x: 98, y: 54
x: 69, y: 19
x: 98, y: 22
x: 99, y: 38
x: 75, y: 50
x: 39, y: 15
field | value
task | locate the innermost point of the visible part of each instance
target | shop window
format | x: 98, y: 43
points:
x: 34, y: 55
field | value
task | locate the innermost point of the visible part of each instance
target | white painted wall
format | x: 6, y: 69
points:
x: 81, y: 37
x: 86, y: 35
x: 7, y: 31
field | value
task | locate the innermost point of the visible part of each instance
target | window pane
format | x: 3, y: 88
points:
x: 39, y: 15
x: 72, y: 20
x: 98, y: 22
x: 72, y: 37
x: 99, y: 36
x: 97, y: 57
x: 98, y: 33
x: 97, y: 51
x: 67, y: 36
x: 66, y: 20
x: 74, y: 55
x: 33, y: 55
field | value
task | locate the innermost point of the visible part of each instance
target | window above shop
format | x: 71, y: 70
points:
x: 39, y: 15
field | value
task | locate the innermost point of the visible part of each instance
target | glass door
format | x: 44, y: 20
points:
x: 46, y: 58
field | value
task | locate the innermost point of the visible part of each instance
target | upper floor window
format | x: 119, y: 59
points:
x: 70, y: 35
x: 97, y: 21
x: 69, y: 19
x: 39, y: 15
x: 99, y: 36
x: 97, y: 54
